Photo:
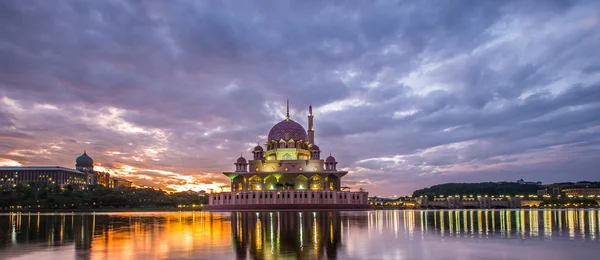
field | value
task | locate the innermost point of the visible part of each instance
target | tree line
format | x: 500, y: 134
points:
x: 481, y: 188
x: 38, y: 195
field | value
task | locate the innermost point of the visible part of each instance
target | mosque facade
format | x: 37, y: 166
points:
x: 287, y: 172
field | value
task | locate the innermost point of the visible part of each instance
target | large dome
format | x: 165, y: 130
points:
x: 286, y: 130
x: 84, y: 160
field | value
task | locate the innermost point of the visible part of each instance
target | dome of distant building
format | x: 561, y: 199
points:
x: 84, y: 160
x: 241, y: 160
x: 286, y: 130
x: 314, y: 148
x: 258, y: 148
x: 330, y: 159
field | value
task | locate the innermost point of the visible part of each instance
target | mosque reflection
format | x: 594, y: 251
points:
x: 300, y: 235
x: 271, y: 235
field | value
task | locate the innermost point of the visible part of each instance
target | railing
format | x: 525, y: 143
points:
x: 287, y: 197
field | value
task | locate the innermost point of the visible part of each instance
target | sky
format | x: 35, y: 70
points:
x: 406, y: 94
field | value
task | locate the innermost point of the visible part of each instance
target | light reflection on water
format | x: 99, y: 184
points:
x: 448, y: 234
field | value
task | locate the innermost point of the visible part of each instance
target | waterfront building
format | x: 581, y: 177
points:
x: 582, y: 192
x: 104, y: 179
x: 288, y: 173
x: 11, y: 176
x: 83, y: 174
x: 578, y: 189
x: 120, y: 182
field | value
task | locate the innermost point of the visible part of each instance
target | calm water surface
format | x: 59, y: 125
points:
x: 450, y: 234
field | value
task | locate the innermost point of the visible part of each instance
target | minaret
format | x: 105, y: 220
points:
x: 287, y: 115
x: 311, y: 130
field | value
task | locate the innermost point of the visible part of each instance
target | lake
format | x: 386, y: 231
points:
x: 392, y: 234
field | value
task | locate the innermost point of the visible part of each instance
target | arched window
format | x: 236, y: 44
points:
x: 301, y: 182
x: 255, y: 183
x: 287, y: 156
x: 316, y: 183
x: 271, y: 183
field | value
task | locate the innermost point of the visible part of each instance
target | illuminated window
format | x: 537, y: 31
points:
x: 256, y: 169
x: 300, y: 168
x: 254, y: 183
x: 315, y: 169
x: 286, y: 169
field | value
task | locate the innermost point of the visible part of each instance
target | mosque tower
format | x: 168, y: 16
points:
x: 311, y: 128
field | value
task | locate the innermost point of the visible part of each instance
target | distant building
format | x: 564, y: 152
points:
x: 104, y: 179
x: 582, y: 191
x: 571, y: 189
x: 120, y: 182
x: 542, y: 192
x: 521, y: 181
x: 83, y: 174
x: 85, y: 164
x: 11, y: 176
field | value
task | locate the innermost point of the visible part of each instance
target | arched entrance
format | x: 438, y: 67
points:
x: 316, y: 182
x: 237, y: 183
x: 287, y: 182
x: 255, y: 183
x: 271, y: 183
x: 333, y: 182
x: 301, y: 182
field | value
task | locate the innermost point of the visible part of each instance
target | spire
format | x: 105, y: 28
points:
x: 287, y: 115
x: 311, y: 128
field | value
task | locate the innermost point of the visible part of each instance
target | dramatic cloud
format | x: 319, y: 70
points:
x: 406, y: 94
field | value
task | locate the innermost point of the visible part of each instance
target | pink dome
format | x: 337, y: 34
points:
x: 314, y: 148
x: 286, y: 130
x: 258, y: 148
x: 330, y: 159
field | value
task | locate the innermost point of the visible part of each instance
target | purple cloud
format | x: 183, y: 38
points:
x: 406, y: 95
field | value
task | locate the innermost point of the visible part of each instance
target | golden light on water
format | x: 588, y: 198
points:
x: 267, y: 235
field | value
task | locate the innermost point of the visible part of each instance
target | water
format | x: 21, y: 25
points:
x: 450, y: 234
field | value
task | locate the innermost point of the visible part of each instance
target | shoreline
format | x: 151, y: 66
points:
x: 245, y: 210
x: 101, y: 210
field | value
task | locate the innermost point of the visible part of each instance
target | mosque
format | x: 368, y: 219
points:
x: 287, y: 174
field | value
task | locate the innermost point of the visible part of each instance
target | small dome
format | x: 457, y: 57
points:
x: 241, y: 159
x: 84, y: 161
x: 330, y: 159
x: 314, y: 148
x: 258, y: 148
